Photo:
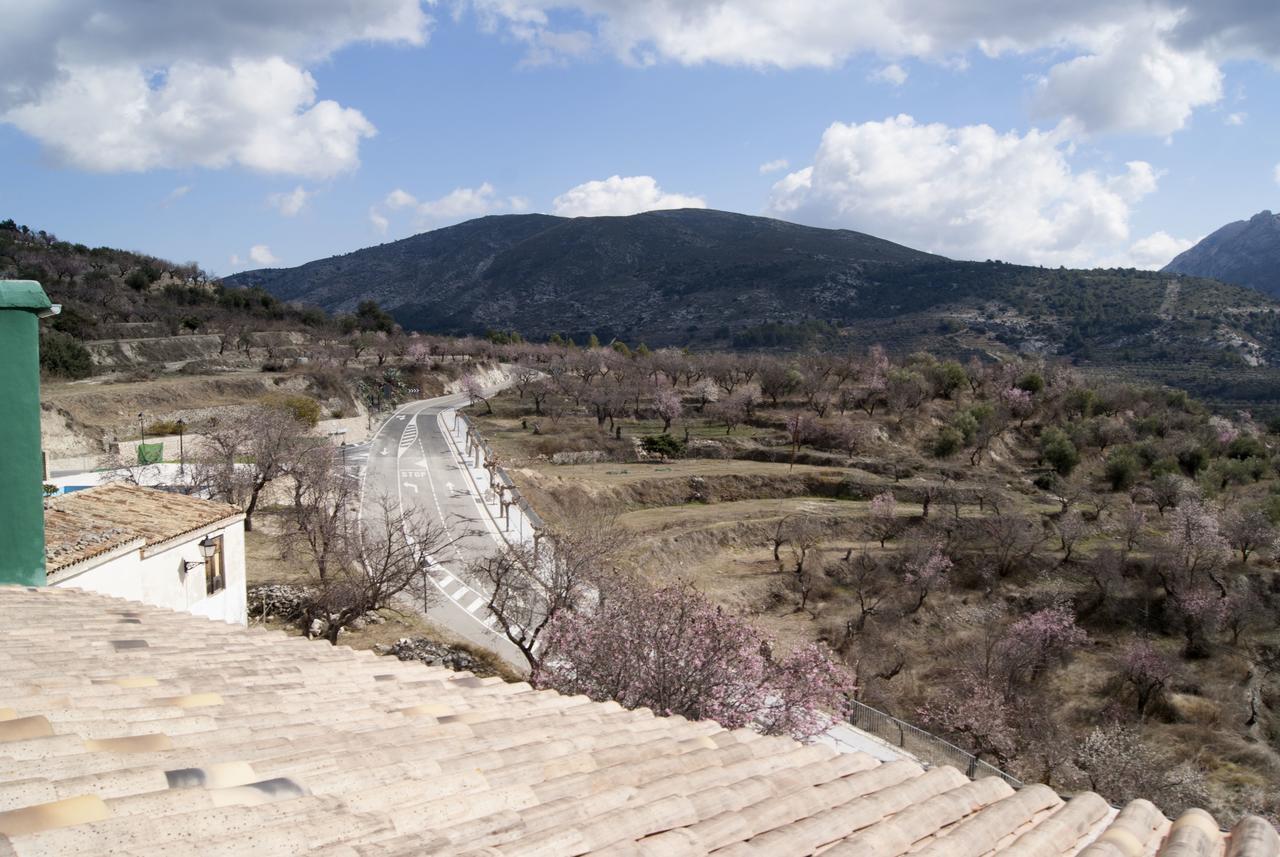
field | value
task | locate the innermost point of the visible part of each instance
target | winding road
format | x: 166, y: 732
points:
x: 409, y: 459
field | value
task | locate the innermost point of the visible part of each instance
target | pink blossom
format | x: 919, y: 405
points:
x: 1018, y: 401
x: 1042, y: 637
x: 1223, y: 429
x: 929, y: 569
x: 884, y: 505
x: 673, y: 651
x: 667, y: 405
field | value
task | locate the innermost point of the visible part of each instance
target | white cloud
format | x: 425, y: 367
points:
x: 618, y: 196
x: 292, y: 203
x: 401, y: 199
x: 461, y: 203
x: 892, y: 74
x: 1156, y: 250
x: 774, y: 166
x: 174, y: 195
x: 261, y: 254
x: 257, y: 114
x: 1236, y: 118
x: 1276, y: 174
x: 1165, y: 54
x: 136, y: 86
x: 1134, y: 82
x: 967, y: 192
x: 379, y: 221
x: 236, y: 261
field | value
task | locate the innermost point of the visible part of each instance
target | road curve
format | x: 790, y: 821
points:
x: 410, y: 460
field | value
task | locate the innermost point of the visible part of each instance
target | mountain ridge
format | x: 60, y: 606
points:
x: 1243, y: 253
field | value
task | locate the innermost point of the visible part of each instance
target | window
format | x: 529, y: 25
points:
x: 215, y: 579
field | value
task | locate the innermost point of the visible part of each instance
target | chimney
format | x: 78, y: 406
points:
x: 22, y: 304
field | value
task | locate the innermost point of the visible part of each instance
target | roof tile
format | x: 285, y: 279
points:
x: 230, y: 741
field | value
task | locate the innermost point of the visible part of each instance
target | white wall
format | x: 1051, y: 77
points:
x: 154, y: 576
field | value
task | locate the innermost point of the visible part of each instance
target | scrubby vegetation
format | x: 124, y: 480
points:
x: 107, y: 293
x: 1073, y: 578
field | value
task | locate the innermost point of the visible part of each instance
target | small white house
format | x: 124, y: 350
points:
x: 160, y: 548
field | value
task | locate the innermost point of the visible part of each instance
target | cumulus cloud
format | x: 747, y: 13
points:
x: 892, y: 74
x: 967, y: 192
x: 292, y: 203
x: 774, y: 166
x: 1167, y: 53
x: 261, y: 254
x: 1236, y: 118
x: 400, y: 199
x: 1134, y: 82
x: 379, y: 221
x: 137, y: 86
x: 619, y: 196
x: 1156, y: 250
x: 461, y: 203
x: 257, y: 114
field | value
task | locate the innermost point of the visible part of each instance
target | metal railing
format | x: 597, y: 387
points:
x: 926, y: 747
x: 514, y: 497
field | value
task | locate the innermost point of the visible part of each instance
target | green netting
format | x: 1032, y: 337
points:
x: 150, y: 453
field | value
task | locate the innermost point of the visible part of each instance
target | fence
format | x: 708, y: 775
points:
x: 925, y: 747
x: 507, y: 494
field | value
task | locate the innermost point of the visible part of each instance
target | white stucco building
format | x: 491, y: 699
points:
x: 160, y: 548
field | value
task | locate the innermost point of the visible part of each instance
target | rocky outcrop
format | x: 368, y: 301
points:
x: 1244, y: 253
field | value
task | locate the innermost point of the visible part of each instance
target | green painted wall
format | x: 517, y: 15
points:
x: 21, y: 469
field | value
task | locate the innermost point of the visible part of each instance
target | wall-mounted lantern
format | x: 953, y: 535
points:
x: 208, y: 547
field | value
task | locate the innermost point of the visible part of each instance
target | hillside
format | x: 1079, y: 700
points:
x: 664, y: 276
x: 716, y: 279
x: 121, y: 308
x: 1246, y: 253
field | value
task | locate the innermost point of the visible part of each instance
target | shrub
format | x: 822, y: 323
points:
x: 304, y: 409
x: 1192, y: 460
x: 1059, y: 451
x: 1247, y: 446
x: 1122, y: 469
x: 663, y: 444
x: 1032, y: 382
x: 64, y: 356
x: 162, y: 427
x: 948, y: 442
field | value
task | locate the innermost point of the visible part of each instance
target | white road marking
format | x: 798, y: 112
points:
x: 411, y: 485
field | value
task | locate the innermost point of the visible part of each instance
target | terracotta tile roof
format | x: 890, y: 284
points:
x: 134, y: 731
x: 88, y: 523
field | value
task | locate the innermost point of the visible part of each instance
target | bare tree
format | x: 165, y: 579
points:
x: 383, y: 556
x: 867, y: 578
x: 320, y: 519
x: 240, y: 455
x: 475, y: 391
x: 528, y: 588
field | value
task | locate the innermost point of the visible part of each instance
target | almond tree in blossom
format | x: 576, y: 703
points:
x: 1147, y: 670
x: 1193, y: 556
x: 1247, y: 529
x: 668, y: 407
x: 1018, y: 402
x: 925, y: 569
x: 883, y: 523
x: 1039, y: 639
x: 475, y: 391
x: 675, y: 652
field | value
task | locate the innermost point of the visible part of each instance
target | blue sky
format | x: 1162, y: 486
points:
x: 1111, y: 133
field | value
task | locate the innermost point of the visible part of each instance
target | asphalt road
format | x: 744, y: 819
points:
x: 409, y: 459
